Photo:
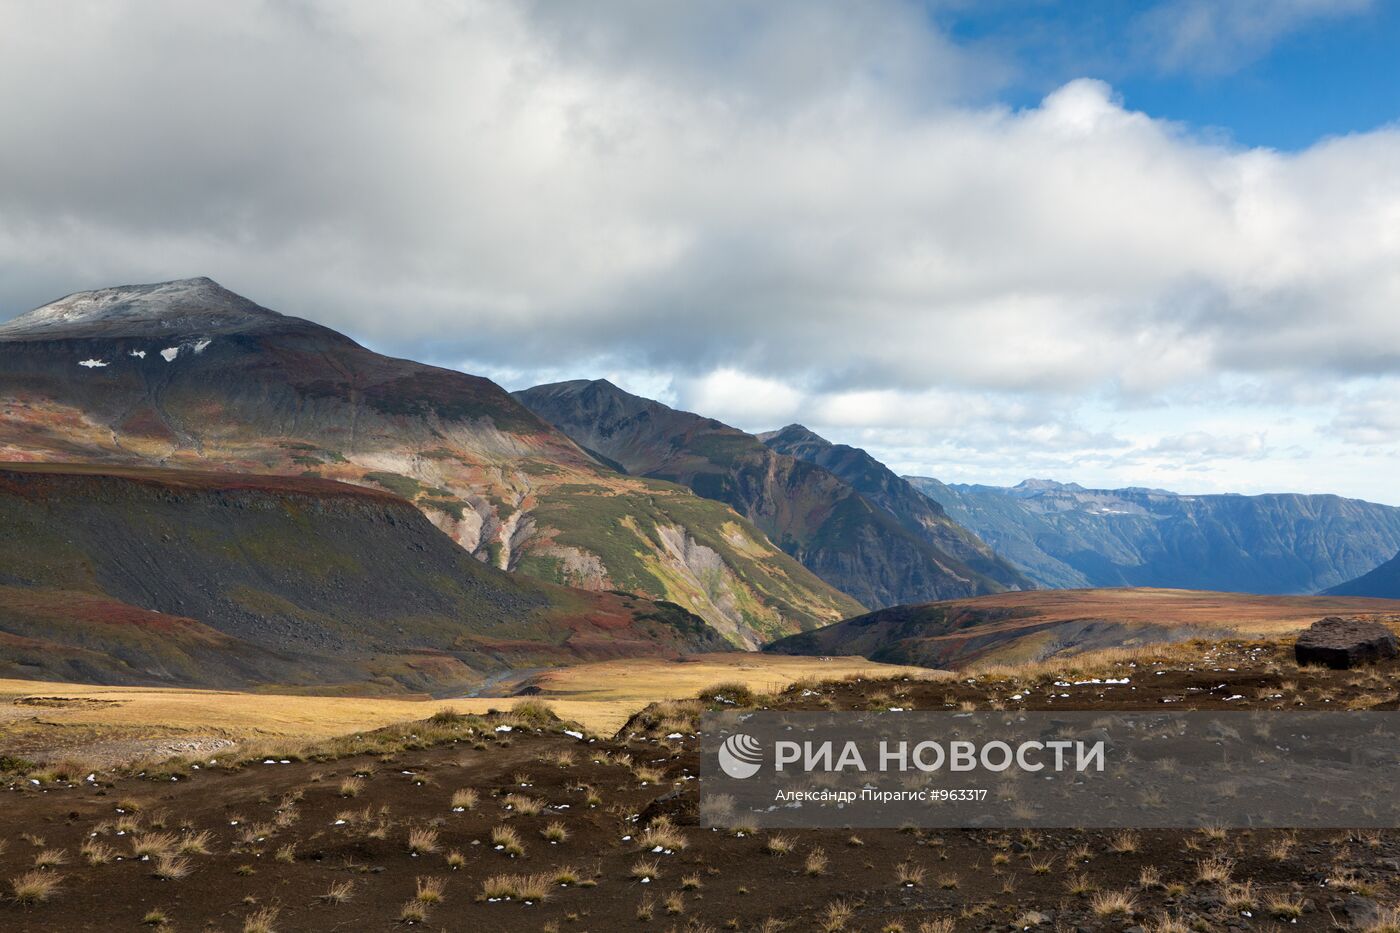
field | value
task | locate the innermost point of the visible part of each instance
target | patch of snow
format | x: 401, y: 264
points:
x: 92, y: 364
x: 139, y: 354
x: 169, y: 353
x: 199, y: 347
x: 570, y: 732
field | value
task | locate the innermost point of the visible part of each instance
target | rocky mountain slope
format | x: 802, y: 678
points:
x: 128, y: 575
x: 1015, y: 628
x: 905, y: 504
x: 1064, y: 535
x: 188, y: 374
x: 835, y: 531
x: 1383, y: 582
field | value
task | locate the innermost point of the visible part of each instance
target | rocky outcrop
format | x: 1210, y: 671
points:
x: 1345, y: 643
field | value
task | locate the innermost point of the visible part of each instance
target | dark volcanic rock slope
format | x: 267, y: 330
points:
x: 891, y: 492
x: 220, y: 580
x: 1064, y: 535
x: 188, y: 374
x: 844, y: 537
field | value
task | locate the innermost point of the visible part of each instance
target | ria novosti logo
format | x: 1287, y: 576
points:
x: 740, y: 756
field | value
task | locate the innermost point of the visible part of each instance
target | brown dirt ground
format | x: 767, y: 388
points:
x: 977, y: 880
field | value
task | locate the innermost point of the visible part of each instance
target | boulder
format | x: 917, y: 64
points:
x: 1342, y: 643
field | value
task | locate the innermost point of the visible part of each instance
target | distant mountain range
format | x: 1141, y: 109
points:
x: 1383, y: 582
x: 188, y: 374
x: 1063, y: 535
x: 845, y: 517
x: 126, y: 575
x: 567, y: 496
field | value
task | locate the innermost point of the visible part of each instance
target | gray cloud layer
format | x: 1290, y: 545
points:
x: 792, y: 209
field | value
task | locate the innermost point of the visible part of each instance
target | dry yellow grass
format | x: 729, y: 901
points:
x: 629, y: 685
x: 96, y: 723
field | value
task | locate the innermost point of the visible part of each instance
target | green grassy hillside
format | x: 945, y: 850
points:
x: 140, y: 576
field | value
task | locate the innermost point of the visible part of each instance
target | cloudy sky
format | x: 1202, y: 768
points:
x: 1113, y: 242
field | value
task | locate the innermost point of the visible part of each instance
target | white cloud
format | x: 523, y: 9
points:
x: 790, y: 210
x: 1369, y: 417
x: 1225, y: 35
x: 739, y: 398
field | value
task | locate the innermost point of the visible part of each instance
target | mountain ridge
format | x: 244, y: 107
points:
x: 1065, y: 535
x: 811, y: 513
x: 1383, y: 582
x: 187, y: 374
x: 910, y: 508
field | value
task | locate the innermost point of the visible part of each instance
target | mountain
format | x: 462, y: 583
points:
x: 1383, y: 582
x: 1064, y: 535
x: 835, y: 531
x: 1015, y: 628
x: 187, y: 374
x: 905, y: 504
x: 130, y: 575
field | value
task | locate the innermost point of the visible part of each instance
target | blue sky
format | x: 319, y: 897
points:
x: 1324, y: 70
x: 1116, y: 243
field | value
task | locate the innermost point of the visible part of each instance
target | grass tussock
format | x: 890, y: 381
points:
x: 777, y: 844
x: 422, y: 841
x: 430, y: 890
x: 515, y: 887
x: 523, y: 805
x: 505, y: 839
x: 195, y: 843
x: 171, y: 868
x: 35, y: 887
x: 50, y: 858
x: 663, y: 834
x: 262, y: 920
x: 1113, y: 903
x: 339, y: 892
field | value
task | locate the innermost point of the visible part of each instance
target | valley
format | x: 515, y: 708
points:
x: 106, y: 726
x: 297, y: 636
